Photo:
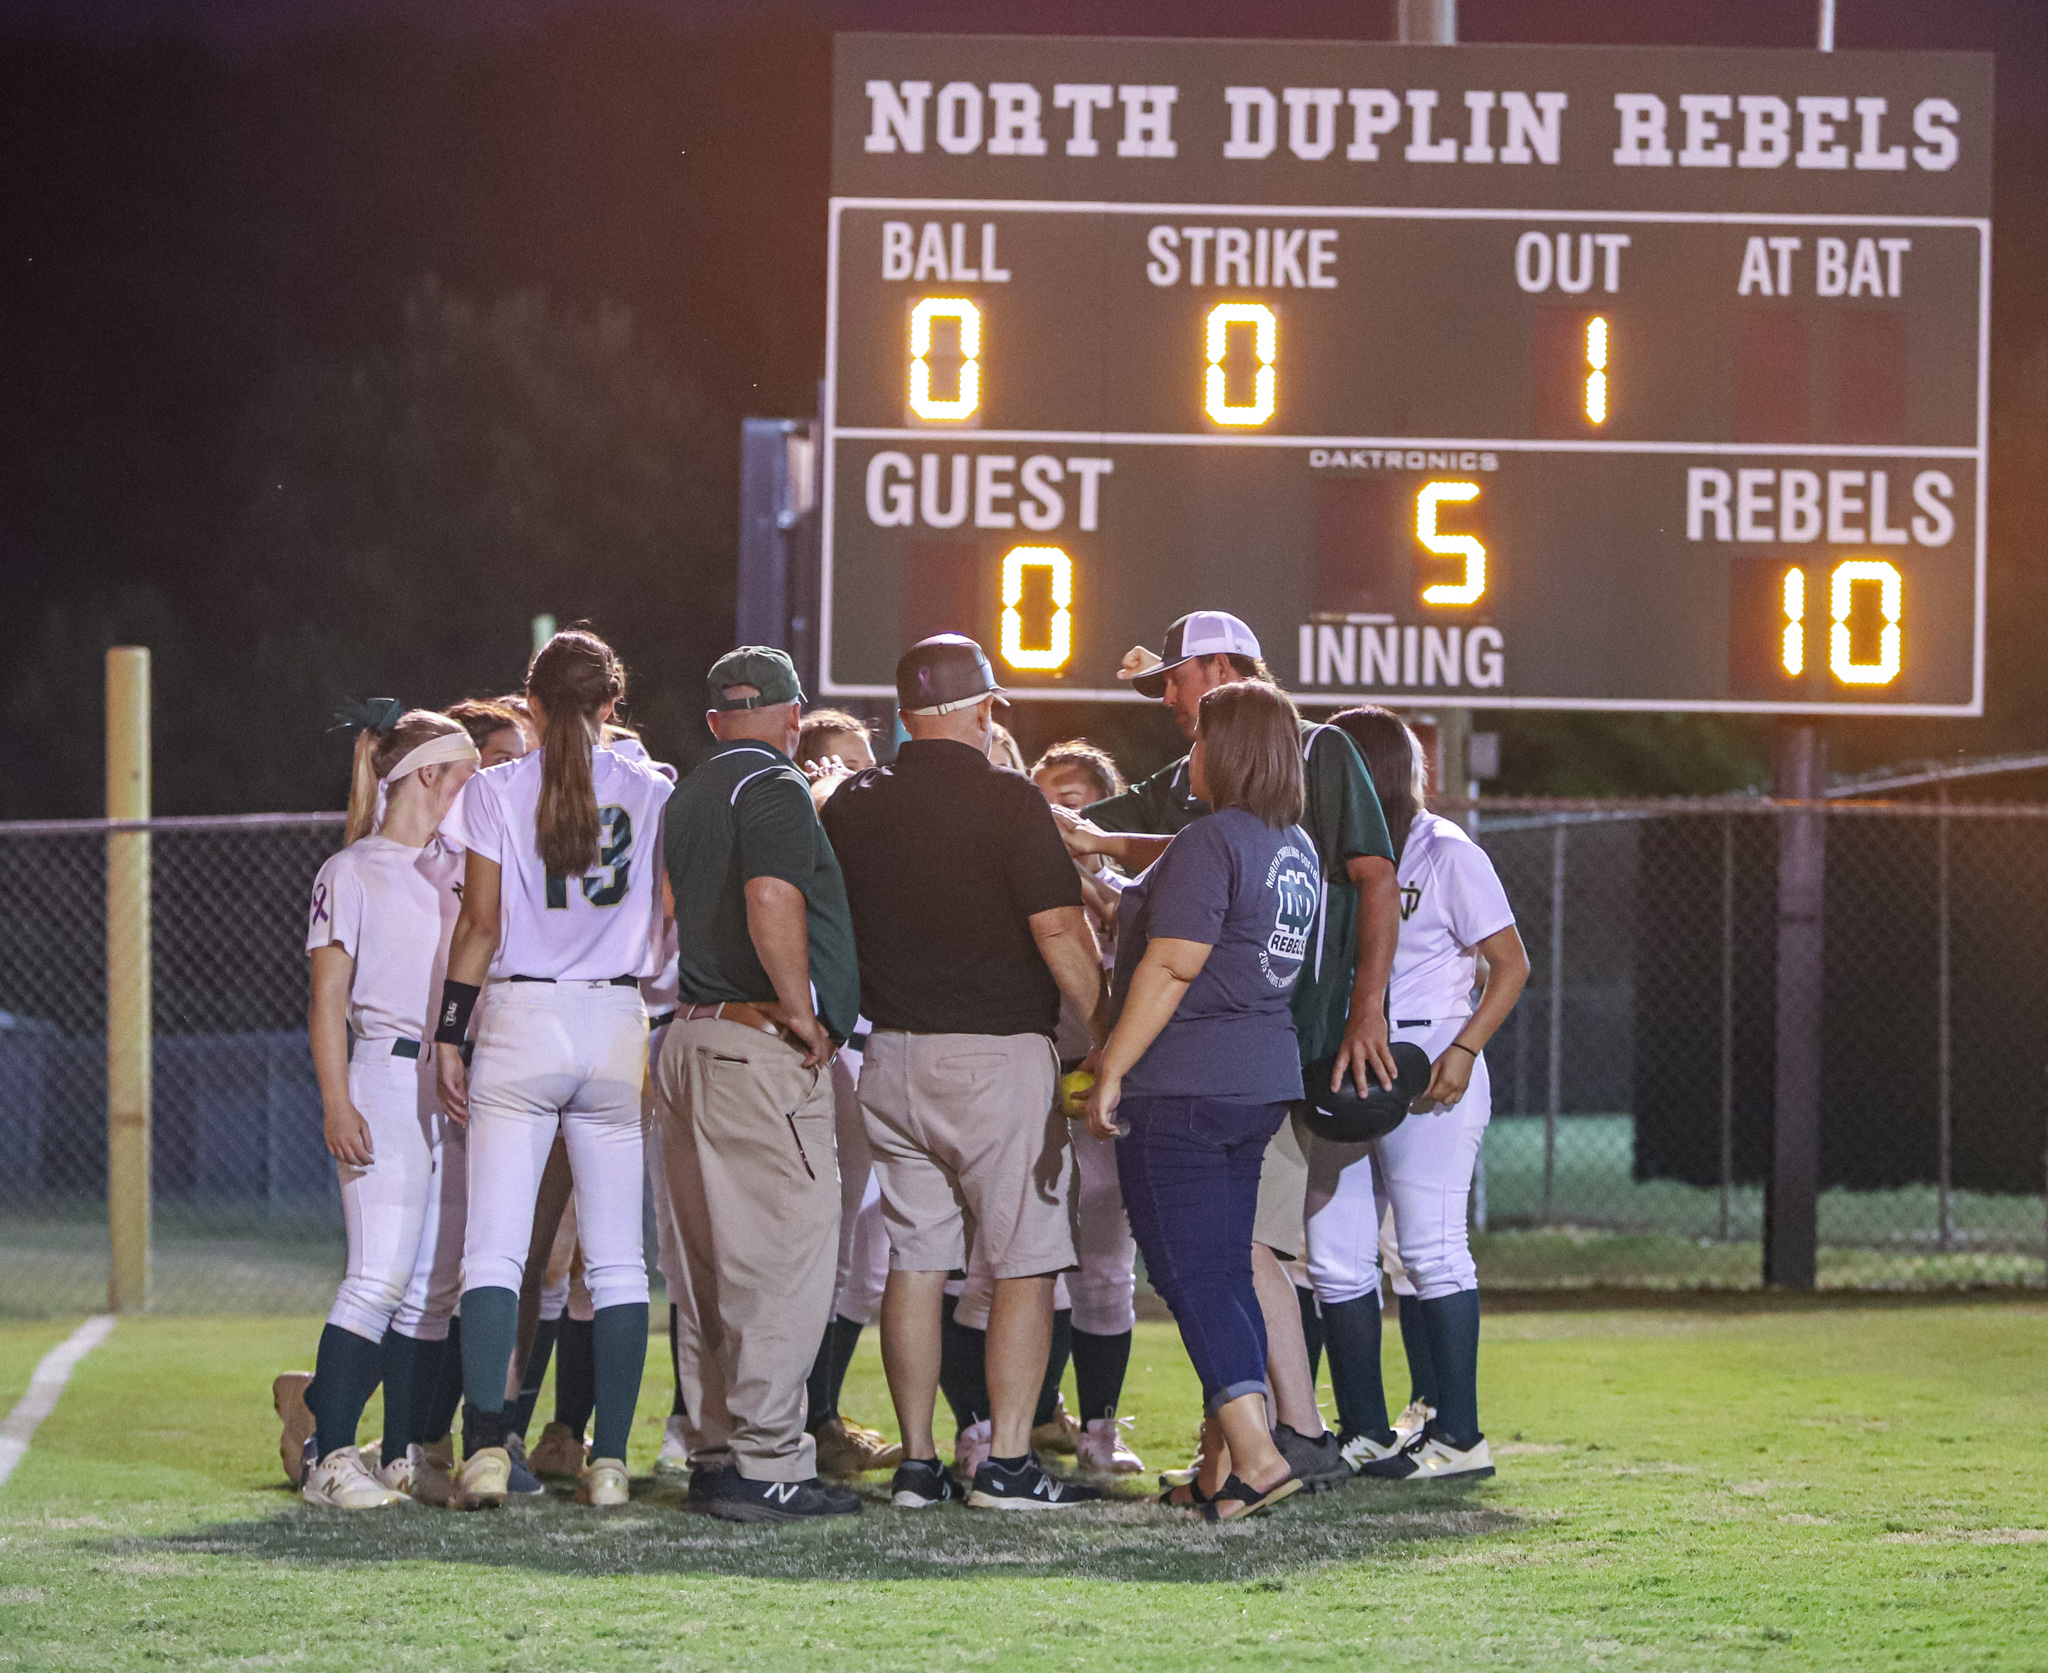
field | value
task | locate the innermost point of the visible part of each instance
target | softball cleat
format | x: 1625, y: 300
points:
x: 1361, y: 1449
x: 484, y: 1479
x: 1413, y: 1420
x: 1061, y: 1433
x: 559, y: 1452
x: 674, y: 1457
x: 603, y: 1483
x: 1430, y: 1458
x: 288, y: 1399
x: 847, y: 1449
x: 1101, y: 1450
x: 342, y: 1481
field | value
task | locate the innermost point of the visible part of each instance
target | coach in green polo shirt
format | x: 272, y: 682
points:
x: 768, y: 991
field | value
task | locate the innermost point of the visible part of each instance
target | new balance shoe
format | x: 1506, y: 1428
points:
x: 400, y: 1473
x: 1316, y: 1460
x: 1026, y: 1487
x: 736, y: 1499
x: 1101, y: 1449
x: 288, y: 1399
x: 431, y: 1483
x: 920, y: 1483
x: 1061, y: 1434
x: 561, y: 1452
x: 1413, y: 1420
x: 847, y: 1449
x: 1361, y: 1449
x: 603, y: 1483
x: 971, y: 1448
x: 342, y: 1481
x: 674, y: 1457
x: 1431, y: 1458
x: 704, y: 1483
x: 522, y: 1482
x: 484, y: 1480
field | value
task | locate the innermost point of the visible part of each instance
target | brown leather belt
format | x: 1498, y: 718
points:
x: 732, y: 1010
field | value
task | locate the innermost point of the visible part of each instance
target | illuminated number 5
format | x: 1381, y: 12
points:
x: 1463, y: 546
x: 615, y: 846
x: 968, y: 396
x: 1265, y: 347
x: 1060, y: 641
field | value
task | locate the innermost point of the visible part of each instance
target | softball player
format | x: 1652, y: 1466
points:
x: 562, y: 913
x: 1453, y: 913
x: 378, y: 933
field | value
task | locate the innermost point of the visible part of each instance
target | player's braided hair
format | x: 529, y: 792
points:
x: 1400, y: 773
x: 574, y: 675
x: 377, y: 752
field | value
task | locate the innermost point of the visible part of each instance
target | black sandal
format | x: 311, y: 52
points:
x: 1195, y: 1499
x: 1249, y: 1496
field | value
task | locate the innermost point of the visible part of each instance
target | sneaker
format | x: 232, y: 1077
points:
x: 522, y: 1482
x: 1317, y: 1461
x: 674, y: 1457
x: 1101, y: 1448
x: 288, y: 1399
x: 484, y: 1479
x: 560, y: 1452
x: 1061, y: 1434
x: 603, y: 1483
x: 1361, y: 1449
x: 704, y: 1484
x: 971, y: 1448
x: 431, y: 1482
x: 846, y: 1449
x: 399, y: 1473
x: 1430, y: 1458
x: 1413, y: 1420
x: 920, y: 1483
x: 342, y: 1481
x: 736, y: 1499
x: 1027, y: 1487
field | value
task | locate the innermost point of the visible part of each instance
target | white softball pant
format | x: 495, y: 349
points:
x: 399, y: 1271
x: 1102, y: 1292
x: 1425, y: 1169
x: 571, y: 1055
x: 863, y: 1234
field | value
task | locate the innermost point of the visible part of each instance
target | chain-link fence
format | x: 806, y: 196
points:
x: 1633, y: 1085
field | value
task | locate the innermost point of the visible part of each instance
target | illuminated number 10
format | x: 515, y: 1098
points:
x: 968, y: 396
x: 1265, y: 347
x: 1059, y: 645
x: 1842, y: 583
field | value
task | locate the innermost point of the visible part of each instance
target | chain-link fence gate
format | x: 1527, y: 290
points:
x: 1633, y: 1084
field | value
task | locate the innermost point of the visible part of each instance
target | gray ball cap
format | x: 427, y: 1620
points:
x: 946, y: 671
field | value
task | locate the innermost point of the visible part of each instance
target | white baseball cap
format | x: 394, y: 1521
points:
x: 1198, y: 633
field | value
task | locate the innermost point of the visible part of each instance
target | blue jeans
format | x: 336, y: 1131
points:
x: 1190, y: 1174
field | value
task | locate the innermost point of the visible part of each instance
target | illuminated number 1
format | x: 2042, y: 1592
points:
x: 1463, y: 546
x: 1596, y: 370
x: 1059, y: 645
x: 968, y: 396
x: 1265, y: 347
x: 1891, y: 590
x: 1792, y: 645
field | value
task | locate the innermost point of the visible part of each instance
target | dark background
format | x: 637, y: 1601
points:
x: 338, y: 338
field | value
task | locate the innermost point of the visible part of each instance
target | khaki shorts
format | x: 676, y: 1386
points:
x: 971, y: 1152
x: 1281, y: 1224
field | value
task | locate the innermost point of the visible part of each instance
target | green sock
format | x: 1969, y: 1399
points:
x: 490, y: 1331
x: 619, y: 1344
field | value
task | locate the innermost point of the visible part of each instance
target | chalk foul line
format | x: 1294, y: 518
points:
x: 52, y: 1372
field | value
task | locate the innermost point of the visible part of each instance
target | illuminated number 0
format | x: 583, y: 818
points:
x: 1059, y: 644
x: 1265, y: 348
x: 968, y: 396
x: 1463, y: 546
x: 1842, y: 584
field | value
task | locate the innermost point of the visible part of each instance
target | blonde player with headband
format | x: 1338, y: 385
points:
x: 382, y: 913
x: 562, y: 913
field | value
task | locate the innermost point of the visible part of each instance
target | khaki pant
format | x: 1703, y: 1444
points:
x: 747, y: 1148
x: 1283, y: 1192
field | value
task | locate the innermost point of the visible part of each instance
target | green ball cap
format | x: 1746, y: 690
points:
x: 768, y: 670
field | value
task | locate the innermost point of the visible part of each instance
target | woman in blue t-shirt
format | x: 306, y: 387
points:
x: 1203, y: 1065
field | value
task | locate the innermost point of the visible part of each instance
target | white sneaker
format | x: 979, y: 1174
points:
x: 971, y: 1449
x: 400, y: 1474
x: 1413, y: 1420
x: 342, y: 1481
x: 484, y: 1479
x: 1100, y: 1448
x: 1431, y: 1459
x: 1361, y: 1450
x: 674, y: 1457
x: 603, y: 1483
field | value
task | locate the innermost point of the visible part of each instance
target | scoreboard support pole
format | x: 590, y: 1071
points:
x: 1791, y: 1203
x: 128, y: 982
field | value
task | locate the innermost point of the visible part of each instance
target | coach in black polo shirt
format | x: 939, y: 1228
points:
x: 968, y: 922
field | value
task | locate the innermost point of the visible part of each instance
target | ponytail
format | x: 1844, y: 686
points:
x: 362, y: 790
x: 386, y: 737
x: 575, y: 675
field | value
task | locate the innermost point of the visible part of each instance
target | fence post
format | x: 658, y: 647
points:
x: 1727, y: 1019
x: 1556, y: 1099
x: 1791, y: 1202
x: 1944, y: 1037
x: 128, y: 985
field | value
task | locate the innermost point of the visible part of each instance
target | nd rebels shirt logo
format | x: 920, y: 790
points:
x: 1292, y: 878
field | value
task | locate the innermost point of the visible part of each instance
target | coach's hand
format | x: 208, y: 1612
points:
x: 1103, y: 1098
x: 1080, y: 836
x: 1365, y: 1045
x: 451, y: 1074
x: 1450, y: 1076
x: 818, y: 1046
x: 348, y: 1136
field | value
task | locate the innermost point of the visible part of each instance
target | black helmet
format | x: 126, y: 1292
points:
x: 1345, y: 1117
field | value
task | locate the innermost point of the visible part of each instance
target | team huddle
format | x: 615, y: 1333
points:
x: 949, y: 1042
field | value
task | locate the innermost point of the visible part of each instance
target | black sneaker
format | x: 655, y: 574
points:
x: 920, y: 1483
x: 1318, y: 1463
x: 704, y: 1482
x: 1027, y: 1487
x: 736, y: 1499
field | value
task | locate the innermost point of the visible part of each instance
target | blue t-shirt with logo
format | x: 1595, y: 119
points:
x: 1249, y: 893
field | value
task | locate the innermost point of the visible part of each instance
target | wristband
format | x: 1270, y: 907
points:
x: 1459, y: 1045
x: 458, y: 999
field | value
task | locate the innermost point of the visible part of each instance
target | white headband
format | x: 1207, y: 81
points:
x: 443, y: 746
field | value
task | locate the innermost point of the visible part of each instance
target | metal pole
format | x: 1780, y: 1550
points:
x: 1944, y: 1036
x: 1727, y: 1020
x: 1791, y: 1200
x: 1551, y: 1111
x: 1827, y: 25
x: 1426, y: 22
x: 128, y: 985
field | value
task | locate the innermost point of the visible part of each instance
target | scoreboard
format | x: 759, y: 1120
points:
x: 1501, y: 376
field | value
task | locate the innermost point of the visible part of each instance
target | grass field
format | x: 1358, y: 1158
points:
x: 1840, y: 1485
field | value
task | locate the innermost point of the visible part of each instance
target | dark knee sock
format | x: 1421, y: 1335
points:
x: 576, y: 1376
x: 490, y: 1333
x: 1351, y: 1330
x: 344, y: 1377
x: 399, y: 1359
x: 675, y: 1365
x: 1055, y: 1366
x: 1099, y: 1366
x: 1415, y: 1343
x: 963, y: 1367
x: 846, y: 1337
x: 1452, y: 1322
x: 532, y: 1377
x: 1311, y: 1330
x: 618, y: 1338
x: 429, y: 1370
x: 820, y: 1379
x: 439, y: 1417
